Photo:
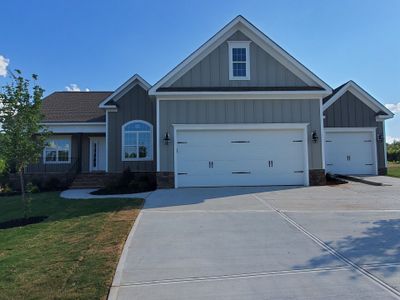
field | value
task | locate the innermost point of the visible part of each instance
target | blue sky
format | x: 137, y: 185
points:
x: 97, y: 45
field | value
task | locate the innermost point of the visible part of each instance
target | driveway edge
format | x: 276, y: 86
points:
x: 121, y: 264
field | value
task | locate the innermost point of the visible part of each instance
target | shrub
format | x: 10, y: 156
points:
x: 32, y: 188
x: 52, y: 184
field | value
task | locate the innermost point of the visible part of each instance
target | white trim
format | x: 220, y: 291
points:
x: 58, y: 137
x: 158, y: 133
x: 361, y: 94
x: 76, y: 127
x: 150, y: 157
x: 241, y: 126
x: 349, y: 129
x: 240, y: 23
x: 143, y: 83
x: 247, y: 126
x: 239, y: 44
x: 384, y: 143
x: 107, y: 140
x: 360, y: 129
x: 321, y: 115
x: 275, y: 95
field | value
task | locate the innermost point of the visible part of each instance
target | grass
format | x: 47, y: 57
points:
x: 72, y: 255
x: 394, y: 169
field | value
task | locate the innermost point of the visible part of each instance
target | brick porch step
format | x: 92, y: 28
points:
x: 89, y: 180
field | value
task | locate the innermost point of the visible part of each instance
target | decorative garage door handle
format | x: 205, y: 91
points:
x: 241, y: 172
x: 240, y: 142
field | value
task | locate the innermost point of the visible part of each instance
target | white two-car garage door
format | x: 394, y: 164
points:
x: 240, y: 157
x: 350, y: 151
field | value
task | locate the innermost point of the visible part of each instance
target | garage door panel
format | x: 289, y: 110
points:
x: 350, y: 153
x: 240, y: 157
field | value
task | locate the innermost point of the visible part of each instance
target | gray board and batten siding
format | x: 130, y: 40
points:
x: 235, y: 112
x: 135, y: 104
x: 349, y: 111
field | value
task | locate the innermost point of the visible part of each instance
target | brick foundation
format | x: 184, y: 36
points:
x: 165, y: 180
x: 382, y: 171
x: 317, y: 177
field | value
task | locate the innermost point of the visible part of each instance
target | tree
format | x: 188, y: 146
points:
x: 23, y: 136
x: 393, y: 151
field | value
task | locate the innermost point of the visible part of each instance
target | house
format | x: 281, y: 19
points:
x: 239, y: 111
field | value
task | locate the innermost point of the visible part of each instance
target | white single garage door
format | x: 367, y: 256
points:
x: 240, y: 157
x: 350, y: 152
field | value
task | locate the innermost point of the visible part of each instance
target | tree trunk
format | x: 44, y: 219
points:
x: 22, y: 182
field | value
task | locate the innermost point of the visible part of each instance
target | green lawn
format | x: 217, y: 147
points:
x: 394, y: 170
x: 72, y: 255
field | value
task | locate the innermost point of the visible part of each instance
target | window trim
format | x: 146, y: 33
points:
x: 60, y: 137
x: 239, y: 44
x: 150, y: 156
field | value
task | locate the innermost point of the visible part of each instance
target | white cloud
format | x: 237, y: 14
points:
x: 73, y: 87
x: 393, y: 107
x: 391, y: 139
x: 4, y: 62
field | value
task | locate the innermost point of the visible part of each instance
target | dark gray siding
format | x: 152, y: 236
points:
x: 349, y: 111
x: 213, y: 70
x: 41, y: 167
x: 135, y: 104
x: 238, y: 111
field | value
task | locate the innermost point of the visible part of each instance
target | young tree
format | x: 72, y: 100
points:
x: 20, y: 118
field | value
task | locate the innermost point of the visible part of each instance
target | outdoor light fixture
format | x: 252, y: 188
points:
x: 314, y: 136
x: 379, y: 137
x: 166, y: 138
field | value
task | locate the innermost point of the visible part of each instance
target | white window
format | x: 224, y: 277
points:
x: 137, y: 141
x: 57, y: 150
x: 239, y: 60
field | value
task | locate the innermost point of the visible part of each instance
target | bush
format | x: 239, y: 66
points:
x: 52, y: 184
x: 32, y: 188
x: 128, y: 183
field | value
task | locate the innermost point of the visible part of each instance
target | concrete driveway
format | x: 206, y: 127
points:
x: 339, y: 242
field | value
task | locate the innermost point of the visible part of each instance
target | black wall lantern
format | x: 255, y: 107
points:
x: 314, y: 136
x: 166, y: 138
x: 379, y: 137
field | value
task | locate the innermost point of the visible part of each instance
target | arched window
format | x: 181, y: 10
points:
x: 137, y: 141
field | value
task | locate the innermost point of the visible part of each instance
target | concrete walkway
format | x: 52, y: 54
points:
x: 331, y: 242
x: 85, y: 194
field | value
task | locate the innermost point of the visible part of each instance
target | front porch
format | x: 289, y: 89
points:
x: 69, y: 154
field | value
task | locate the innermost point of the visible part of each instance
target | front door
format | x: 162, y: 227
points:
x: 97, y: 154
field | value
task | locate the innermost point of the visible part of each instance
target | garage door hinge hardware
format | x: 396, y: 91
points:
x: 240, y: 142
x: 369, y: 164
x: 270, y: 163
x: 368, y: 141
x: 297, y: 141
x: 211, y: 164
x: 182, y: 173
x: 328, y: 141
x: 329, y: 164
x: 299, y: 171
x: 241, y: 172
x: 182, y: 142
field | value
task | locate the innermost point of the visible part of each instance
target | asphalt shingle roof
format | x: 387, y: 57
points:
x: 74, y: 107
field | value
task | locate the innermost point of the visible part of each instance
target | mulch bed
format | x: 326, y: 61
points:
x: 22, y: 222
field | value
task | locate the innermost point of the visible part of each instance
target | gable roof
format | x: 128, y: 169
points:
x: 66, y: 107
x: 110, y: 101
x: 361, y: 94
x: 240, y: 23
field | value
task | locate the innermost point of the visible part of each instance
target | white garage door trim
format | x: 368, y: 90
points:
x: 371, y: 130
x: 247, y: 126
